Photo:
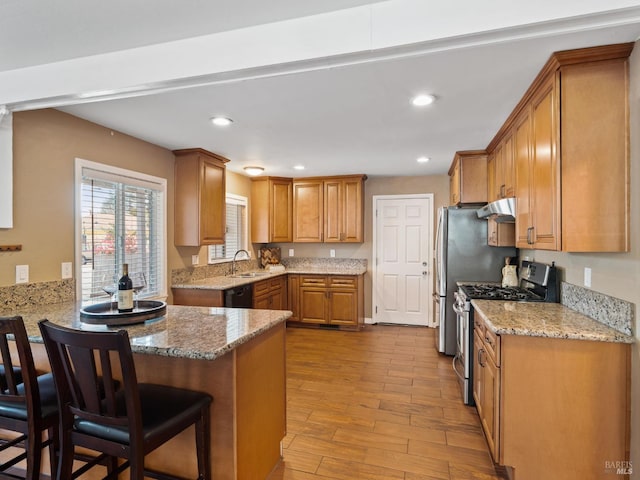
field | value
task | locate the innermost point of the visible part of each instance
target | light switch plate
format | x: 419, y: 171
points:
x: 67, y: 270
x: 195, y: 259
x: 22, y: 273
x: 332, y: 252
x: 587, y: 277
x: 291, y: 252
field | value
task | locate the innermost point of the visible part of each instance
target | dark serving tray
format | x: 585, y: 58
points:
x: 107, y: 313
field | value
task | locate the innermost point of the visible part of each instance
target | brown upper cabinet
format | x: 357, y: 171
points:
x: 307, y: 210
x: 595, y: 155
x: 343, y: 209
x: 538, y: 225
x: 271, y: 209
x: 329, y: 209
x: 468, y: 178
x: 500, y: 171
x: 200, y: 208
x: 569, y: 137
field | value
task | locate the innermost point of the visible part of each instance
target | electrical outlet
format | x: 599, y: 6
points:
x: 195, y: 259
x: 67, y: 270
x: 22, y: 273
x: 587, y: 277
x: 291, y: 252
x: 332, y: 253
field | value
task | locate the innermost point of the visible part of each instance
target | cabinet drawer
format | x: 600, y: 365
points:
x: 261, y: 287
x: 276, y: 283
x: 313, y: 281
x: 342, y: 281
x: 492, y: 345
x: 269, y: 285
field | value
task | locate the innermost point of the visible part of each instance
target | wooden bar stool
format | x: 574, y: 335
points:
x: 125, y: 423
x: 28, y: 403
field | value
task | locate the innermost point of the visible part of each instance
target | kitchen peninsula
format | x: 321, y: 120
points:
x: 236, y: 355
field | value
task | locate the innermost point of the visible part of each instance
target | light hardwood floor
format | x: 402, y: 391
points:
x: 377, y: 404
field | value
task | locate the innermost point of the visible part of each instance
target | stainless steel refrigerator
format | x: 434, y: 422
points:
x: 461, y: 255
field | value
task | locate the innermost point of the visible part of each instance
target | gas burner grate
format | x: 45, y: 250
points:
x: 496, y: 292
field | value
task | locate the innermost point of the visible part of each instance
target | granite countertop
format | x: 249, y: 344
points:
x: 223, y: 282
x: 539, y: 319
x: 185, y: 332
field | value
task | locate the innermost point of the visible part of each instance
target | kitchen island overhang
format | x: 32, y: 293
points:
x: 236, y: 355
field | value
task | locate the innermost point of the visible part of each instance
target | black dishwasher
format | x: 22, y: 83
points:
x: 239, y: 297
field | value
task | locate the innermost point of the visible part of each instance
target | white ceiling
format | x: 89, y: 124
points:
x: 336, y: 115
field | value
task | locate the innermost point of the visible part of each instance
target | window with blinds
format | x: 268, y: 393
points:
x: 121, y: 221
x: 236, y: 234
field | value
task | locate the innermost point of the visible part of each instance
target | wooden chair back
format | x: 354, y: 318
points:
x: 84, y: 365
x: 12, y: 373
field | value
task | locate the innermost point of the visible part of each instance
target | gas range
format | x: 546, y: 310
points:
x: 496, y: 292
x: 538, y: 283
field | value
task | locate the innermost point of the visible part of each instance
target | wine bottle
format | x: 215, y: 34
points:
x: 125, y: 291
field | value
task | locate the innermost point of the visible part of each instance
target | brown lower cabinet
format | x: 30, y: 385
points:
x: 315, y: 300
x: 327, y: 300
x: 270, y: 294
x: 552, y: 407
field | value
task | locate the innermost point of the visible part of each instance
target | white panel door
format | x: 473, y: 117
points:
x: 402, y: 281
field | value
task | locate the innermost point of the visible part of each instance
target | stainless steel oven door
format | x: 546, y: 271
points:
x: 439, y: 314
x: 462, y: 334
x: 461, y: 361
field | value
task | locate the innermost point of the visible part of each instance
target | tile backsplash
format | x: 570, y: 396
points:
x: 613, y: 312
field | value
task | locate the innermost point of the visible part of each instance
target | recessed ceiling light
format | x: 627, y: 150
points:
x: 423, y: 100
x: 221, y: 121
x: 298, y: 167
x: 423, y: 159
x: 253, y: 171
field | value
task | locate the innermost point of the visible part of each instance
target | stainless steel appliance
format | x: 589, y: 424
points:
x: 538, y: 283
x: 462, y: 254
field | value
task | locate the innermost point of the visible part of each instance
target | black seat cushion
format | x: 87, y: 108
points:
x: 48, y: 400
x: 162, y: 407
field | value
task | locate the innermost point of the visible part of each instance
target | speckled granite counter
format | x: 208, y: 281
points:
x: 223, y: 282
x: 551, y: 320
x: 185, y: 332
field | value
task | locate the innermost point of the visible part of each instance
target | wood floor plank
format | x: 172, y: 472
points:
x: 377, y: 404
x: 436, y: 468
x: 371, y: 439
x: 410, y: 432
x: 347, y: 470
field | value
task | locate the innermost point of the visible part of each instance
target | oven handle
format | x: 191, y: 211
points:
x: 458, y: 310
x: 453, y: 363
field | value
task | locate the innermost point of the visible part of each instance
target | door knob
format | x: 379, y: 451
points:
x: 424, y: 264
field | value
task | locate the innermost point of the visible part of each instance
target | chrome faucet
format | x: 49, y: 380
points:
x: 233, y: 263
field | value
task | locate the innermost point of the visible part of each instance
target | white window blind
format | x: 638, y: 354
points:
x: 236, y: 233
x: 121, y: 221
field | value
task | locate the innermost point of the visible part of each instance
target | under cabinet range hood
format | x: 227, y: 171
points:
x: 503, y: 210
